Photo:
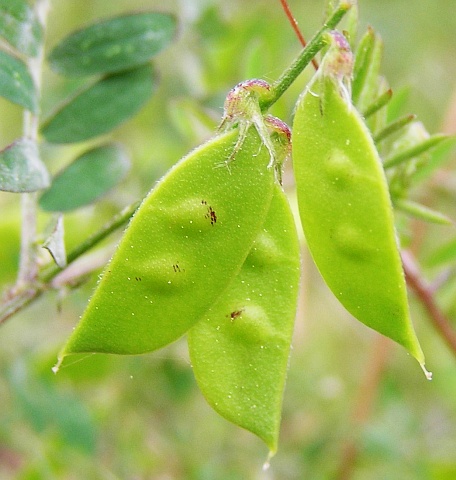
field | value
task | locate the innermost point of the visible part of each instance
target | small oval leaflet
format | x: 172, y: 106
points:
x: 101, y: 107
x: 113, y: 45
x: 86, y: 179
x: 16, y: 83
x: 21, y: 168
x: 20, y: 26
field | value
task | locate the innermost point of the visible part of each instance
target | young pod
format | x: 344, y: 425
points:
x: 344, y: 203
x: 239, y: 350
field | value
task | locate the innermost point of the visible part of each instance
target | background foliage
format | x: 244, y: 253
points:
x: 109, y: 417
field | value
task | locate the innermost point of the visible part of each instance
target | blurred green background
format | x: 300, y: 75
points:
x: 355, y: 406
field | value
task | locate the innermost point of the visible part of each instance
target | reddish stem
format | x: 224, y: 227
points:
x: 295, y: 26
x: 426, y: 296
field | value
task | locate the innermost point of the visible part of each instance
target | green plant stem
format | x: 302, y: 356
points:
x: 295, y: 27
x: 18, y: 300
x: 28, y: 265
x: 317, y: 42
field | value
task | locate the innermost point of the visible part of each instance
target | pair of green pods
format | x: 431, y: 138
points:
x: 211, y: 251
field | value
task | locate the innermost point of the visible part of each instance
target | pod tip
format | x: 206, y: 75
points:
x: 267, y: 463
x: 56, y: 367
x: 426, y: 373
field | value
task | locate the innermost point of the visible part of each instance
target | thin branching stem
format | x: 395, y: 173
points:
x: 20, y: 299
x: 296, y: 29
x: 317, y: 42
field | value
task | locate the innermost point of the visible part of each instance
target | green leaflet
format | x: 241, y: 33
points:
x: 16, y: 83
x: 114, y: 44
x: 417, y: 149
x: 422, y: 212
x: 20, y: 26
x: 101, y: 106
x: 346, y: 210
x: 21, y: 168
x: 366, y: 69
x: 239, y: 351
x: 86, y: 179
x: 184, y: 245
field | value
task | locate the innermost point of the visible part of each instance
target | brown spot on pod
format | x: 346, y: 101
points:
x: 210, y: 214
x: 235, y: 314
x: 255, y: 327
x: 190, y: 216
x: 163, y: 274
x: 177, y: 268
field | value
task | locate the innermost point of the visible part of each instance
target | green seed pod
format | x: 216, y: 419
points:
x: 239, y: 351
x: 344, y: 204
x: 188, y: 239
